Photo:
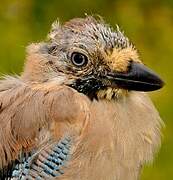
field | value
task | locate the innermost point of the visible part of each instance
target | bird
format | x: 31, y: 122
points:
x: 80, y: 108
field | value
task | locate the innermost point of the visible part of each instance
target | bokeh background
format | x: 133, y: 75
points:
x: 148, y: 23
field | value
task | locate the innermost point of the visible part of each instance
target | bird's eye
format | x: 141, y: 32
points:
x: 79, y: 59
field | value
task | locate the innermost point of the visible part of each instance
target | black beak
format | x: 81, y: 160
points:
x: 138, y: 78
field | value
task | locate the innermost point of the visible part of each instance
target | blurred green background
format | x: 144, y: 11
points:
x: 148, y: 23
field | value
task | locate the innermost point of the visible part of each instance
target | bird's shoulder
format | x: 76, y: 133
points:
x: 29, y: 109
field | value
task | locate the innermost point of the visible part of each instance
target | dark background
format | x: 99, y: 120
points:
x: 148, y: 23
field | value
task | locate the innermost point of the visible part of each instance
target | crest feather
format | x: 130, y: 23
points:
x: 54, y: 30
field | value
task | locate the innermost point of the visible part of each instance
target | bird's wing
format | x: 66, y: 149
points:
x: 30, y: 115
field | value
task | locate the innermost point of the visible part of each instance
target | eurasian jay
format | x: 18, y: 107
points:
x: 79, y: 110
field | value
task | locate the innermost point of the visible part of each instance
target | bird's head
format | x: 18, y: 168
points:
x: 95, y: 59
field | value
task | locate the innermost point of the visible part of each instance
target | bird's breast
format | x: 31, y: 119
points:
x: 116, y: 138
x: 120, y: 136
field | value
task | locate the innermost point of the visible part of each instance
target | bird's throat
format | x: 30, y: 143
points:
x: 110, y: 93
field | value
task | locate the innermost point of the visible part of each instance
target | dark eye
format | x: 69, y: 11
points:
x: 79, y: 59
